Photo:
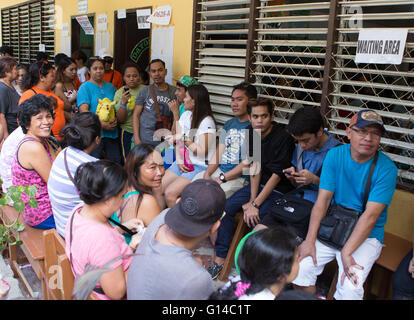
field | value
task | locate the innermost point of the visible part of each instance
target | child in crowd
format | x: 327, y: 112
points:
x: 18, y: 84
x: 34, y: 157
x: 90, y: 238
x: 266, y: 260
x: 81, y: 59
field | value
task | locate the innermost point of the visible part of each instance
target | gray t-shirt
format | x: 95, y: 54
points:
x: 164, y: 272
x: 148, y: 116
x: 9, y: 101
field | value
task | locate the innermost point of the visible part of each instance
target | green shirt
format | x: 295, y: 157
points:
x: 127, y: 125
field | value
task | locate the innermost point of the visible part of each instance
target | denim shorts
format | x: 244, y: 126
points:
x: 188, y: 175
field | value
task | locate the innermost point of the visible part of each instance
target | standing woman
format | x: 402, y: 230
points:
x: 34, y: 158
x: 197, y: 129
x: 65, y: 86
x: 89, y: 93
x: 125, y: 104
x: 41, y: 80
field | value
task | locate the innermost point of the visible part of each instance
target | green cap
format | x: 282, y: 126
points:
x: 187, y: 81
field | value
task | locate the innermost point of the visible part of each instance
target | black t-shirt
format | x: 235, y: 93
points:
x: 9, y: 101
x: 276, y: 154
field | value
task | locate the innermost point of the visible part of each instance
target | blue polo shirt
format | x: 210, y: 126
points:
x: 347, y: 180
x: 90, y: 93
x: 313, y: 161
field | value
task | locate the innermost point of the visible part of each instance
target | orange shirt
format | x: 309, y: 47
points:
x: 117, y: 80
x: 59, y: 112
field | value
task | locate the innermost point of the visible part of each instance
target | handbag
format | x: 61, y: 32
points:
x: 162, y: 121
x: 185, y: 155
x: 293, y: 210
x: 339, y: 222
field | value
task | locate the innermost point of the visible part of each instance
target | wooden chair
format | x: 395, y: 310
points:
x: 239, y: 233
x: 58, y: 275
x: 32, y: 248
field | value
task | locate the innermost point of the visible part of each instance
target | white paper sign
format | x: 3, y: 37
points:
x: 85, y: 24
x: 102, y: 22
x: 82, y: 6
x: 162, y: 47
x: 42, y: 47
x: 65, y: 29
x: 161, y: 16
x: 142, y: 16
x: 381, y: 46
x: 122, y: 14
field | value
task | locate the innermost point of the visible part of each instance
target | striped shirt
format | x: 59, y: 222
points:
x: 63, y: 194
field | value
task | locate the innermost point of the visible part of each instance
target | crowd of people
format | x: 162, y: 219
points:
x: 161, y: 177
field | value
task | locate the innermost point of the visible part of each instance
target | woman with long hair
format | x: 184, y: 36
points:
x: 65, y: 85
x: 194, y: 138
x: 89, y: 93
x: 41, y: 80
x: 145, y: 168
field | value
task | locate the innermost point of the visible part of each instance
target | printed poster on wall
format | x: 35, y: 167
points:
x: 381, y: 46
x: 162, y: 47
x: 161, y: 16
x: 102, y: 22
x: 142, y: 16
x: 82, y: 6
x: 85, y: 24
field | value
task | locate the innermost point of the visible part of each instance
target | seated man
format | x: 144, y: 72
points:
x: 223, y: 165
x: 266, y: 184
x: 344, y: 177
x: 165, y: 268
x: 306, y: 126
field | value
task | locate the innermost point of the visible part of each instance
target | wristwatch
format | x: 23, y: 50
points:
x: 222, y: 177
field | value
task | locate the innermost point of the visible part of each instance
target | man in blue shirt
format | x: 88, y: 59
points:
x: 306, y: 126
x: 223, y: 165
x: 343, y: 180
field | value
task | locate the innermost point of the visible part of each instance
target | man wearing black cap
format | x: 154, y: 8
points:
x: 344, y: 178
x: 164, y: 267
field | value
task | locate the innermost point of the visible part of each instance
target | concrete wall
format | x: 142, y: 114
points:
x: 181, y: 20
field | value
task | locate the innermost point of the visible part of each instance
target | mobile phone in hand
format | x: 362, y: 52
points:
x: 126, y: 89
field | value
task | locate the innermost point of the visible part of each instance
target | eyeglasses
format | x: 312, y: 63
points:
x: 363, y: 133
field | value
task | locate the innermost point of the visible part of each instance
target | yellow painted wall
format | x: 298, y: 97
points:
x: 401, y: 215
x: 182, y: 19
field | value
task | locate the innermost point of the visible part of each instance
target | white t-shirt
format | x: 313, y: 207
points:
x: 81, y: 74
x: 207, y: 125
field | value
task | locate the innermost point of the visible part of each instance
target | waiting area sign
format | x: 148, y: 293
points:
x: 382, y: 46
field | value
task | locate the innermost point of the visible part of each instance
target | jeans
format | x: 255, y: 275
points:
x: 111, y: 148
x: 233, y: 205
x: 403, y: 282
x: 125, y: 140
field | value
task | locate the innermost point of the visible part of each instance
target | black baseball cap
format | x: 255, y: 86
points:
x: 202, y: 204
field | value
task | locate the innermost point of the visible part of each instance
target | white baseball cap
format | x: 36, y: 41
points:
x: 105, y: 52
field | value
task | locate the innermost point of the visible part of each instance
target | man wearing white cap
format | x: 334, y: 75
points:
x: 111, y: 75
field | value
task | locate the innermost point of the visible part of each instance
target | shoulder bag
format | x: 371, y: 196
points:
x: 339, y: 221
x: 162, y: 121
